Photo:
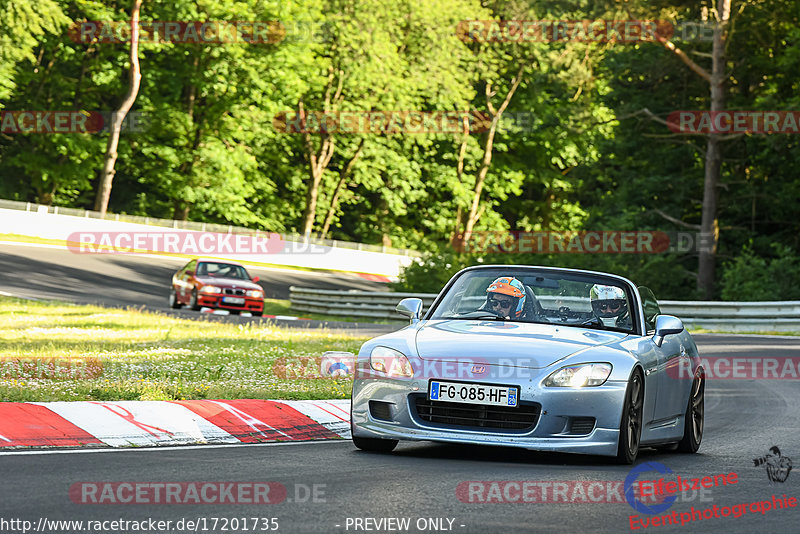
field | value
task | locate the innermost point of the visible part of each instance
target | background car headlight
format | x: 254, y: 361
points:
x: 391, y: 362
x: 210, y: 289
x: 584, y: 374
x: 254, y: 293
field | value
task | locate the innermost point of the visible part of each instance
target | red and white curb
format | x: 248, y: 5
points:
x: 148, y: 423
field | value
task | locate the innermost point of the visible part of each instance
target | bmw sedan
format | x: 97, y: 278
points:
x: 215, y: 284
x: 541, y: 358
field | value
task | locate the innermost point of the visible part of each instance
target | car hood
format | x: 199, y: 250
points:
x: 506, y: 342
x: 229, y: 283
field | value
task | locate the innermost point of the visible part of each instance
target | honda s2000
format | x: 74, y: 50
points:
x: 542, y: 358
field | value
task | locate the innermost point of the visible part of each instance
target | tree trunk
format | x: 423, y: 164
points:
x: 343, y: 174
x: 474, y: 213
x: 709, y: 224
x: 107, y: 175
x: 317, y: 163
x: 456, y: 240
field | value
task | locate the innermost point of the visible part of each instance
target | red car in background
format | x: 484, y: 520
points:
x: 216, y: 284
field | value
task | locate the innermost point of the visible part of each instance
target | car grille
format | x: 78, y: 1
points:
x: 237, y: 292
x: 455, y: 414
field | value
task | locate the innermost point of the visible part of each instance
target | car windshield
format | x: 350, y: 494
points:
x: 529, y: 295
x: 222, y: 270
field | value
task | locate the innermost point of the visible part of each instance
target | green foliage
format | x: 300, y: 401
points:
x: 589, y: 159
x: 753, y: 278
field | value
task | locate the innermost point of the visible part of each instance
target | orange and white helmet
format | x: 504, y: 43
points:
x: 506, y: 286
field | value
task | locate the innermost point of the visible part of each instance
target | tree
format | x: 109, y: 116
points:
x: 135, y: 78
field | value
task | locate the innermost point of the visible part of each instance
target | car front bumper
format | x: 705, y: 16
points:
x: 553, y: 429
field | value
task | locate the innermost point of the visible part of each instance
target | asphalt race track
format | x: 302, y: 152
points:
x: 743, y: 419
x: 419, y: 481
x: 32, y: 271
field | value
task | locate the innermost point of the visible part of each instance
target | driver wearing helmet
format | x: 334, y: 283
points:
x: 610, y: 306
x: 506, y: 297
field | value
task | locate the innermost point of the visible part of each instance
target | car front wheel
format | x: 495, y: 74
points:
x: 193, y: 303
x: 630, y: 427
x: 695, y: 417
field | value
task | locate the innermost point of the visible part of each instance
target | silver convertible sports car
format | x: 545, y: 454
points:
x: 541, y: 358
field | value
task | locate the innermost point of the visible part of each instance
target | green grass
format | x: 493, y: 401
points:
x: 53, y: 351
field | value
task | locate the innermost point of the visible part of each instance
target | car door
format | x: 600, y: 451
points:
x: 669, y: 395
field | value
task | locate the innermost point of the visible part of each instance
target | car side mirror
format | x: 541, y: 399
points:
x: 189, y: 273
x: 411, y: 308
x: 255, y: 279
x: 665, y: 326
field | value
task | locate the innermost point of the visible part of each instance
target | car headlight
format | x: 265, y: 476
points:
x: 391, y: 362
x: 576, y: 376
x: 254, y: 293
x: 210, y: 289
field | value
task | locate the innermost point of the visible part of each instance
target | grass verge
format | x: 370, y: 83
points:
x: 53, y: 351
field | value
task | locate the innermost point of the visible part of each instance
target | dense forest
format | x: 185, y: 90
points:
x: 555, y: 131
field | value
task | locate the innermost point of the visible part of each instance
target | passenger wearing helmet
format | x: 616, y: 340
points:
x: 610, y: 306
x: 506, y: 297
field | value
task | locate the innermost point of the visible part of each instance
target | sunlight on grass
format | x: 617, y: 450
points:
x: 57, y: 351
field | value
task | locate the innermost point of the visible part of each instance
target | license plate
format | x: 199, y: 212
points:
x: 473, y: 393
x: 233, y: 300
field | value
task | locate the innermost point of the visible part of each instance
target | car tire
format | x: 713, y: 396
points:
x: 193, y: 303
x: 694, y: 420
x: 375, y: 444
x: 257, y: 314
x: 630, y: 425
x: 173, y: 299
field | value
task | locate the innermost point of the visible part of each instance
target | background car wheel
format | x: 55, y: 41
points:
x: 375, y: 444
x: 173, y: 299
x: 630, y: 426
x: 695, y: 415
x: 193, y: 303
x: 258, y: 314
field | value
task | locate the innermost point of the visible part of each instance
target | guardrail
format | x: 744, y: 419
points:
x: 200, y: 226
x: 729, y: 316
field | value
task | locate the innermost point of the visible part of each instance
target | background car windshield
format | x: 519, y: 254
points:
x: 222, y: 270
x: 551, y: 297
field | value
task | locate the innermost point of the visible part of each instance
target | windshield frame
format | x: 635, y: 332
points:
x: 579, y: 275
